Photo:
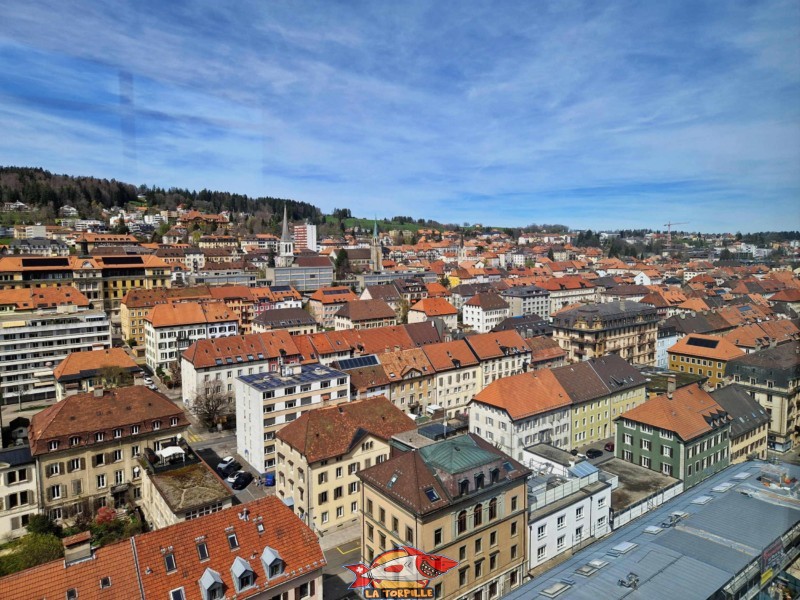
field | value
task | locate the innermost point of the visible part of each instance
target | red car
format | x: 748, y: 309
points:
x: 609, y: 447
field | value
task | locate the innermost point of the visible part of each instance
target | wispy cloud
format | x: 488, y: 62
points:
x: 591, y: 114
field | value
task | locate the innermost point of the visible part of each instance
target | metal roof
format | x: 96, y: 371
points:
x: 456, y: 455
x: 583, y: 469
x: 695, y: 557
x: 308, y: 374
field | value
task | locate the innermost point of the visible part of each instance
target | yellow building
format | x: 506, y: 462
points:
x: 412, y: 379
x: 460, y: 498
x: 749, y: 423
x: 704, y: 355
x: 135, y: 307
x: 321, y: 453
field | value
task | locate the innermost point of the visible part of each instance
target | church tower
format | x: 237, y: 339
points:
x: 375, y: 250
x: 285, y: 256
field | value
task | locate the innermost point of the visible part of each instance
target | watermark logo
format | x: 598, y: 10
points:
x: 403, y: 572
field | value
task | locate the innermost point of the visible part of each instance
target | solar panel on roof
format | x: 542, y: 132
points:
x: 702, y: 343
x: 358, y: 362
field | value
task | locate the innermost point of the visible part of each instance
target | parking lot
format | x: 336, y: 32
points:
x: 214, y: 453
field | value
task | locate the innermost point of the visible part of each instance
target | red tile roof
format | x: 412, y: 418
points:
x: 91, y: 362
x: 525, y: 394
x: 46, y: 297
x: 204, y: 354
x: 189, y: 313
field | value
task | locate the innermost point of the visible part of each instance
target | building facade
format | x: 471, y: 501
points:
x: 19, y: 491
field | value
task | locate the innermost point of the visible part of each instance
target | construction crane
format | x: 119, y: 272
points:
x: 669, y: 230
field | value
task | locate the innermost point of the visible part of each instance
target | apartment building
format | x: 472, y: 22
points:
x: 259, y: 550
x: 484, y: 311
x: 321, y: 453
x: 19, y: 491
x: 296, y: 321
x: 434, y: 308
x: 38, y: 329
x: 628, y: 329
x: 501, y: 353
x: 683, y: 434
x: 364, y: 314
x: 703, y: 354
x: 87, y: 446
x: 136, y: 305
x: 457, y: 375
x: 772, y: 377
x: 265, y: 402
x: 211, y: 366
x: 172, y: 328
x: 461, y: 498
x: 749, y: 423
x: 326, y: 302
x: 568, y: 290
x: 569, y: 506
x: 411, y: 380
x: 81, y: 372
x: 517, y: 411
x: 527, y: 300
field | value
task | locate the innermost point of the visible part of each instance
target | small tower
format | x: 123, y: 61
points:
x: 285, y: 257
x: 462, y: 251
x: 375, y: 250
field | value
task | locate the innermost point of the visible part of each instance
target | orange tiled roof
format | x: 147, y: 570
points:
x: 332, y: 431
x: 91, y: 361
x: 45, y: 297
x: 435, y: 307
x: 208, y: 353
x: 685, y: 414
x: 444, y: 356
x: 705, y: 346
x: 334, y: 295
x: 525, y: 394
x: 402, y: 362
x: 492, y: 344
x: 189, y: 313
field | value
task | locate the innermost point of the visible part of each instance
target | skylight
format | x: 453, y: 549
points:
x: 702, y: 500
x: 431, y: 494
x: 723, y: 487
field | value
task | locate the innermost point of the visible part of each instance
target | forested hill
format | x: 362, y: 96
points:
x: 47, y: 192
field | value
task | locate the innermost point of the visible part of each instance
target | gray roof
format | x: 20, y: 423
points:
x: 284, y: 317
x: 692, y: 559
x: 598, y: 377
x: 779, y: 364
x: 745, y: 411
x: 18, y: 455
x: 610, y: 314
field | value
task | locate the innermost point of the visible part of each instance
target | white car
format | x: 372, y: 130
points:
x: 225, y: 462
x: 232, y: 477
x: 148, y: 381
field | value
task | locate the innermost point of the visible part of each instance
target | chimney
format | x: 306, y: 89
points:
x: 670, y: 386
x: 77, y: 547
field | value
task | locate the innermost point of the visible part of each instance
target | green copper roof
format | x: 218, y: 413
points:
x: 456, y: 455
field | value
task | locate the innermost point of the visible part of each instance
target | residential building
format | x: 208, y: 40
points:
x: 38, y: 247
x: 625, y: 328
x: 568, y: 290
x: 756, y: 336
x: 527, y: 326
x: 306, y: 274
x: 772, y: 377
x: 527, y: 300
x: 172, y: 328
x: 457, y: 375
x: 484, y: 311
x: 386, y: 292
x: 265, y: 402
x: 520, y: 410
x: 695, y: 545
x: 461, y: 498
x: 38, y: 329
x: 178, y: 486
x: 305, y: 237
x: 321, y: 453
x: 364, y: 314
x: 296, y: 321
x: 210, y: 366
x: 136, y: 305
x: 19, y: 491
x: 434, y: 308
x: 545, y: 353
x: 412, y: 380
x: 599, y: 390
x: 666, y: 337
x: 259, y: 550
x: 81, y: 372
x: 569, y: 506
x: 703, y: 354
x: 86, y: 447
x: 684, y: 434
x: 749, y: 423
x: 326, y: 302
x: 502, y: 353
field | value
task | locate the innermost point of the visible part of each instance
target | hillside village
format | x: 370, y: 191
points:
x: 203, y: 405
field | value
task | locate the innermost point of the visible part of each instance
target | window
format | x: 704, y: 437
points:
x: 395, y: 525
x: 461, y: 523
x: 601, y: 502
x: 53, y: 445
x: 409, y: 535
x: 322, y: 498
x: 560, y: 542
x: 561, y: 521
x: 666, y: 469
x: 177, y: 594
x: 579, y: 513
x: 627, y: 455
x: 513, y: 529
x: 492, y: 508
x: 369, y: 506
x: 72, y: 594
x: 382, y: 515
x: 478, y: 546
x: 578, y: 533
x: 352, y: 468
x: 99, y: 437
x: 117, y: 433
x: 99, y: 459
x: 117, y: 455
x: 627, y: 439
x: 493, y: 539
x: 53, y: 469
x: 101, y: 481
x: 541, y: 553
x: 325, y: 516
x: 645, y: 444
x: 514, y: 503
x: 541, y: 532
x: 173, y: 421
x: 169, y: 562
x: 477, y: 515
x: 156, y: 425
x: 352, y: 488
x: 478, y: 569
x: 202, y: 551
x: 134, y: 429
x: 322, y: 477
x: 119, y: 477
x: 105, y: 582
x: 233, y: 542
x: 74, y: 440
x: 666, y: 451
x: 437, y: 537
x: 514, y: 551
x: 645, y: 462
x: 463, y: 576
x: 339, y: 472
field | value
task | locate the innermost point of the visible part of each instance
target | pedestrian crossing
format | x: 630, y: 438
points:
x: 192, y: 437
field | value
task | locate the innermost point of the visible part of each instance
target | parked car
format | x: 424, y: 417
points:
x: 609, y: 447
x: 233, y: 476
x: 594, y: 453
x: 242, y: 480
x: 225, y: 462
x: 231, y: 469
x: 148, y: 381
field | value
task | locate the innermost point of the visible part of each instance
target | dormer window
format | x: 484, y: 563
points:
x: 173, y: 421
x: 169, y: 562
x: 272, y: 562
x: 463, y: 487
x: 117, y: 433
x: 134, y: 429
x: 105, y: 582
x: 211, y: 585
x: 72, y: 594
x: 74, y: 440
x: 232, y: 541
x: 478, y: 481
x: 243, y: 575
x: 495, y: 474
x: 156, y: 425
x: 99, y: 437
x: 54, y: 446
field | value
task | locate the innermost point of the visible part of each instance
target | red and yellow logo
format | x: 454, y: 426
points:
x: 400, y: 573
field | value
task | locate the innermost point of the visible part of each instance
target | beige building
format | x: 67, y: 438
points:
x: 628, y: 329
x: 749, y: 423
x: 458, y: 373
x: 321, y: 453
x: 87, y: 446
x: 82, y: 372
x: 460, y: 498
x: 326, y: 302
x: 364, y: 314
x: 412, y: 379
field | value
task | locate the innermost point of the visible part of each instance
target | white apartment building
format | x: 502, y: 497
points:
x: 18, y: 491
x: 569, y: 505
x: 172, y: 328
x: 458, y: 374
x: 265, y: 402
x: 527, y: 300
x: 33, y: 342
x: 483, y: 312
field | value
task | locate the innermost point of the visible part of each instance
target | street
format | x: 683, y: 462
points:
x: 336, y: 579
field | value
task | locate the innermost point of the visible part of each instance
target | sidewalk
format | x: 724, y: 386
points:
x: 337, y: 537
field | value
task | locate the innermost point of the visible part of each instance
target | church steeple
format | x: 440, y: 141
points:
x: 285, y: 257
x: 375, y: 250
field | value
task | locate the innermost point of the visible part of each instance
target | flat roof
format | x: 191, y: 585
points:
x: 635, y: 482
x: 307, y: 374
x: 694, y: 558
x: 189, y: 487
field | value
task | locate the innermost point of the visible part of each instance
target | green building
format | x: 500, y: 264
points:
x: 684, y: 433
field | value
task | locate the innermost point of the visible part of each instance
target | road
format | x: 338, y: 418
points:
x: 336, y: 579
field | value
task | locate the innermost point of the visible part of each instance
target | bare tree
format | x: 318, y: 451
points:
x: 210, y: 406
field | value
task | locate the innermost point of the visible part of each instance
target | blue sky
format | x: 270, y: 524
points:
x: 592, y: 114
